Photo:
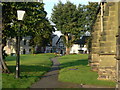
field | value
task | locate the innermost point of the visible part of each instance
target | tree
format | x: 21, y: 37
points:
x: 3, y: 66
x: 33, y: 22
x: 65, y: 16
x: 42, y: 37
x: 90, y: 14
x: 73, y: 21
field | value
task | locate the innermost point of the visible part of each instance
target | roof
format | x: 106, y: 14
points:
x: 81, y: 41
x: 59, y: 39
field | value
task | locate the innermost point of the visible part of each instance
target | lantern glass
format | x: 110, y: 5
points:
x: 20, y: 14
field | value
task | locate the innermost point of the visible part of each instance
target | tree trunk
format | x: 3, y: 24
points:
x: 67, y: 45
x: 33, y: 50
x: 67, y: 50
x: 3, y: 65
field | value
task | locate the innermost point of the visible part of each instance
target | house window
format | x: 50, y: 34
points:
x: 81, y: 45
x: 24, y: 42
x: 73, y: 51
x: 24, y: 51
x: 29, y: 50
x: 61, y: 46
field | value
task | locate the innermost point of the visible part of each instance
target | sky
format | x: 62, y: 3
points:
x: 50, y: 3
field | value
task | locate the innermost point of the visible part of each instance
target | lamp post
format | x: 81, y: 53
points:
x: 20, y: 15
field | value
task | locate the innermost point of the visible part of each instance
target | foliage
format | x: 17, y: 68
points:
x: 75, y: 69
x: 66, y: 19
x: 74, y: 20
x: 34, y: 15
x: 35, y: 23
x: 32, y: 68
x: 71, y: 39
x: 42, y: 37
x: 90, y: 13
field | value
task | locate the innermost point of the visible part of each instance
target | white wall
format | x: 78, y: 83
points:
x: 75, y: 48
x: 84, y: 49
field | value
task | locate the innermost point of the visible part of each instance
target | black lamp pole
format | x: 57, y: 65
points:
x: 20, y: 15
x: 18, y: 54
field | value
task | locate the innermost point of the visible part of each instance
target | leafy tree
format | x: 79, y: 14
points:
x: 32, y: 24
x: 66, y: 16
x: 35, y: 14
x: 42, y: 37
x: 90, y: 14
x: 70, y: 20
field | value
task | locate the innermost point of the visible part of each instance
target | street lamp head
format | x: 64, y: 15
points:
x: 20, y: 14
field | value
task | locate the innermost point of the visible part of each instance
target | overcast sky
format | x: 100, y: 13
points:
x: 50, y: 3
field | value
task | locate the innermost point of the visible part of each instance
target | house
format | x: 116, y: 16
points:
x: 25, y: 48
x: 24, y: 45
x: 54, y: 41
x: 60, y: 46
x: 48, y: 49
x: 57, y: 46
x: 80, y: 46
x: 57, y: 43
x: 10, y: 47
x: 75, y: 49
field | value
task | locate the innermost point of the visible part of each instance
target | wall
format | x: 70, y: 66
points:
x: 104, y: 42
x: 75, y: 48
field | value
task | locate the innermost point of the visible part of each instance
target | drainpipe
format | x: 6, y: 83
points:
x: 101, y: 16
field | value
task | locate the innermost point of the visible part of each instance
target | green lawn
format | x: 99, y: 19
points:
x: 32, y: 68
x: 74, y: 68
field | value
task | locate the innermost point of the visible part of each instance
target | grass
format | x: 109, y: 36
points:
x: 75, y: 69
x: 31, y: 69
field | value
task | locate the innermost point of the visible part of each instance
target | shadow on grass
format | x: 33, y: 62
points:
x: 10, y: 58
x: 83, y: 62
x: 28, y: 69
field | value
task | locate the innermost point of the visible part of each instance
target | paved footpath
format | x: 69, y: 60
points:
x: 50, y: 79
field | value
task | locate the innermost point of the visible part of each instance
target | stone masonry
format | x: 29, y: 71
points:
x: 104, y: 41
